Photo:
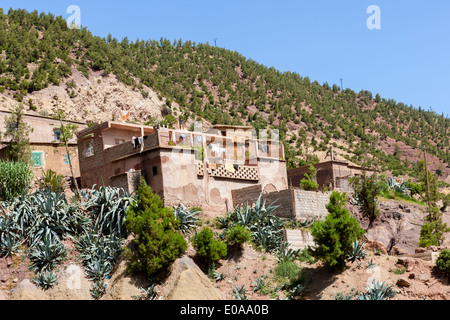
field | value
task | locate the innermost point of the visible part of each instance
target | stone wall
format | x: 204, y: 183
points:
x: 282, y: 199
x: 309, y: 204
x: 293, y: 202
x: 128, y: 181
x: 246, y: 195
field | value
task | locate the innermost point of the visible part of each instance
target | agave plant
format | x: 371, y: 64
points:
x: 397, y: 185
x: 188, y: 218
x: 8, y: 225
x: 148, y: 294
x: 268, y: 238
x: 9, y: 244
x: 260, y: 285
x: 108, y: 207
x: 378, y: 291
x: 371, y: 264
x: 297, y: 290
x: 287, y: 254
x: 239, y: 293
x: 214, y: 274
x: 45, y: 279
x: 47, y: 254
x: 41, y: 213
x: 266, y: 228
x: 91, y: 245
x: 98, y: 268
x: 300, y: 224
x: 98, y: 289
x: 357, y: 252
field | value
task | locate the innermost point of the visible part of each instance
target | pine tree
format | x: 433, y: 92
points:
x: 157, y: 243
x: 335, y: 235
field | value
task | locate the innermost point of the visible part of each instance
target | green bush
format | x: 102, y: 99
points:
x: 154, y: 227
x: 207, y: 247
x: 335, y: 235
x: 53, y: 180
x: 15, y: 179
x: 443, y: 261
x: 287, y: 270
x: 308, y: 182
x: 366, y: 190
x: 237, y: 235
x: 433, y: 229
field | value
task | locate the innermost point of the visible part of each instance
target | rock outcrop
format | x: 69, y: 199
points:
x: 188, y: 282
x: 397, y: 227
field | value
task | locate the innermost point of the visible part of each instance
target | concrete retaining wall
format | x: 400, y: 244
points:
x: 309, y: 204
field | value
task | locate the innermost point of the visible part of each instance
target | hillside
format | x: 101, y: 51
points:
x: 98, y: 79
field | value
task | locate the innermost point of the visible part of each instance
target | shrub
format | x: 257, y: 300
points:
x: 443, y: 261
x: 335, y: 235
x: 52, y: 180
x: 207, y: 247
x: 366, y: 189
x: 154, y: 227
x: 15, y: 179
x: 237, y: 235
x: 287, y: 269
x: 265, y: 227
x: 308, y: 182
x: 415, y: 188
x: 433, y: 229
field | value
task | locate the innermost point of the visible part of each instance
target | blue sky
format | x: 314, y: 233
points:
x: 408, y: 59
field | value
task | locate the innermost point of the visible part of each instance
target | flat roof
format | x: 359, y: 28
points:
x: 26, y: 113
x: 229, y: 126
x: 334, y: 161
x: 130, y: 127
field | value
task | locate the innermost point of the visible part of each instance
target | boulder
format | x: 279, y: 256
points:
x: 122, y: 285
x: 401, y: 282
x: 3, y: 295
x: 26, y: 290
x: 72, y: 285
x: 375, y: 245
x: 188, y: 282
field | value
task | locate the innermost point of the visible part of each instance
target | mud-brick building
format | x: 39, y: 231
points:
x: 197, y: 168
x: 45, y: 141
x: 333, y: 174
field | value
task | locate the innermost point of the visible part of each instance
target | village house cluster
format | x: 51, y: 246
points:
x: 215, y: 168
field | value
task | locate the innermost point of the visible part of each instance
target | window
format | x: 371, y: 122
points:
x: 57, y: 133
x: 37, y: 158
x: 66, y: 159
x: 155, y: 170
x: 88, y: 148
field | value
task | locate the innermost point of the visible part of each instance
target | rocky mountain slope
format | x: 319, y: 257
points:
x: 98, y: 79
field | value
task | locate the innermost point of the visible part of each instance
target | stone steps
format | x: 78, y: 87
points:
x: 298, y: 239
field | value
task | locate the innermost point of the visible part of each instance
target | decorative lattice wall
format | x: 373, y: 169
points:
x: 238, y: 172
